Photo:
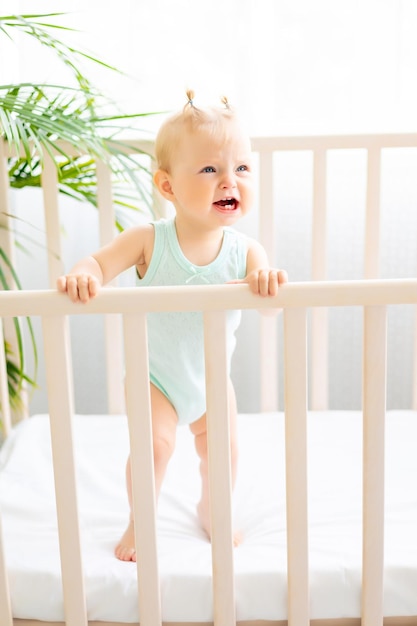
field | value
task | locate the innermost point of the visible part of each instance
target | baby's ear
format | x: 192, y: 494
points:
x: 163, y: 183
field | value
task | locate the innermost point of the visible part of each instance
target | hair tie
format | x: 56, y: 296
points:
x: 226, y: 102
x: 190, y: 96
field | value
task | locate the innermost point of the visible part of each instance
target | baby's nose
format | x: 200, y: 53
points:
x: 228, y: 181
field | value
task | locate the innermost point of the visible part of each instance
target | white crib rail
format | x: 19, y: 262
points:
x: 266, y: 148
x: 133, y: 304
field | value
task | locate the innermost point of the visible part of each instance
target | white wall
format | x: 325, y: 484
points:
x: 290, y: 67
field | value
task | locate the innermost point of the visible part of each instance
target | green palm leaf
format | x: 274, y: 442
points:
x: 17, y: 370
x: 37, y: 119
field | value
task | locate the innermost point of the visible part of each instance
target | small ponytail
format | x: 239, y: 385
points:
x: 190, y: 98
x: 225, y: 101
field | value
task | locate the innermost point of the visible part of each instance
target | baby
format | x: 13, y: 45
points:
x: 204, y: 169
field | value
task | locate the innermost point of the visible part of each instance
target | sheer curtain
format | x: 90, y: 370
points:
x: 290, y: 66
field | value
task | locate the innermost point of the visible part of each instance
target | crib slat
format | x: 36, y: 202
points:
x: 266, y: 202
x: 112, y: 323
x: 60, y: 400
x: 218, y: 440
x: 319, y: 317
x: 268, y: 325
x: 319, y: 376
x: 138, y: 406
x: 52, y: 224
x: 105, y: 203
x: 372, y: 226
x: 268, y: 339
x: 374, y: 394
x: 295, y: 363
x: 414, y: 380
x: 318, y: 265
x: 6, y: 618
x: 114, y: 364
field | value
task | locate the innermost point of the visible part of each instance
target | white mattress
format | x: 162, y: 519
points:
x: 30, y: 530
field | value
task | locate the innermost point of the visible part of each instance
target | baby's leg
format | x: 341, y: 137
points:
x: 164, y: 426
x: 199, y: 430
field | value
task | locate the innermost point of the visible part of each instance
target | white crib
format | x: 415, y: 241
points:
x: 299, y: 598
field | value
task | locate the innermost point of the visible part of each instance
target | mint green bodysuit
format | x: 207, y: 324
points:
x: 176, y: 345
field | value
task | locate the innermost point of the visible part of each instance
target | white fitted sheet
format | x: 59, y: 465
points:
x: 334, y: 448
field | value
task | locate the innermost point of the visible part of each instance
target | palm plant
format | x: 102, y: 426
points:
x: 41, y: 118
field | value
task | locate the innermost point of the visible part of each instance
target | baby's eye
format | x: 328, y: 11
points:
x: 209, y: 169
x: 242, y: 168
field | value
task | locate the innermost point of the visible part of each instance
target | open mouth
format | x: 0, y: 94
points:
x: 227, y: 204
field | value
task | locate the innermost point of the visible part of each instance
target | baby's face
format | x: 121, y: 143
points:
x: 211, y: 177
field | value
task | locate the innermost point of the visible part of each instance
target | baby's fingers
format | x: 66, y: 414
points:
x: 78, y: 287
x: 83, y: 288
x: 269, y: 281
x: 266, y: 283
x: 61, y: 284
x: 282, y: 277
x: 275, y: 279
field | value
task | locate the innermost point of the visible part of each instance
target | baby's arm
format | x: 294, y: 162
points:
x: 261, y: 278
x: 132, y: 247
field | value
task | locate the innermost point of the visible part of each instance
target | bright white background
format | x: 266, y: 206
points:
x: 289, y: 67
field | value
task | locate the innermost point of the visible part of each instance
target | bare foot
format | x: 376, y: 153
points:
x: 204, y: 517
x: 125, y: 549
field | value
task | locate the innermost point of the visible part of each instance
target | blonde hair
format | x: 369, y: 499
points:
x: 215, y: 121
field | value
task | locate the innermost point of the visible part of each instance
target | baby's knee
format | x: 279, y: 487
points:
x: 163, y: 447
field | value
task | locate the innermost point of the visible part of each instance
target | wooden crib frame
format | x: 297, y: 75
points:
x: 296, y: 299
